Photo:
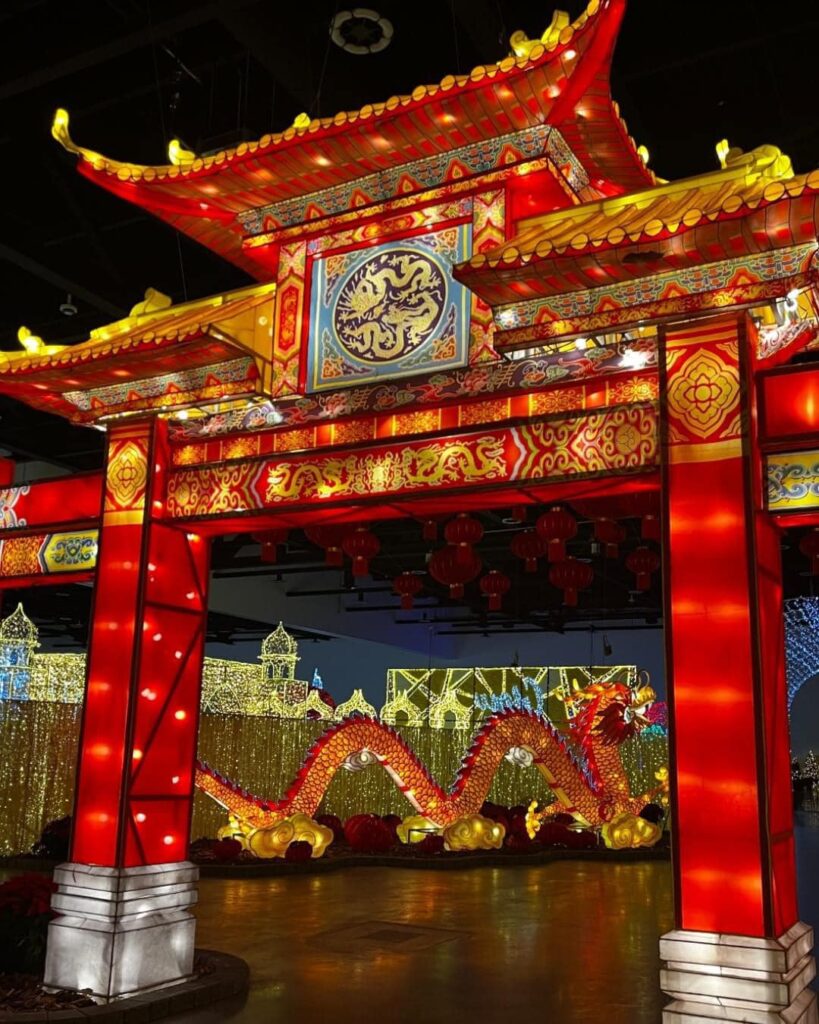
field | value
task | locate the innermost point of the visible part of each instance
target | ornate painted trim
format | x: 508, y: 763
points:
x: 625, y: 389
x: 487, y: 380
x: 712, y: 285
x: 793, y: 481
x: 44, y: 554
x: 618, y: 440
x: 421, y: 175
x: 170, y: 386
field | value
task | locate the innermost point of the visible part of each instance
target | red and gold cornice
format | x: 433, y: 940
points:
x: 739, y: 211
x: 544, y: 83
x: 618, y: 390
x: 605, y: 443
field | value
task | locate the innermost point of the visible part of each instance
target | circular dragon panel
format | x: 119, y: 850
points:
x: 390, y: 305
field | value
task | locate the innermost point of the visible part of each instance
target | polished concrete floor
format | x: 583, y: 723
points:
x: 573, y: 942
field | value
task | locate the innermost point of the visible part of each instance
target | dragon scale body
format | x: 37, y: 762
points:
x: 584, y: 771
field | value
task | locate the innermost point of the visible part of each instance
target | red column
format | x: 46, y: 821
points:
x: 733, y: 839
x: 138, y: 742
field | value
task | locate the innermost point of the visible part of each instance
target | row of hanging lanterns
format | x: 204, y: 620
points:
x: 457, y: 563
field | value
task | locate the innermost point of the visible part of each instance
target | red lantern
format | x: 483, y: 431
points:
x: 611, y: 534
x: 529, y: 547
x: 407, y: 586
x: 462, y: 532
x: 361, y: 545
x: 650, y: 527
x: 809, y: 546
x: 429, y: 528
x: 494, y: 585
x: 330, y: 538
x: 570, y: 575
x: 556, y: 527
x: 447, y: 567
x: 643, y: 562
x: 270, y: 540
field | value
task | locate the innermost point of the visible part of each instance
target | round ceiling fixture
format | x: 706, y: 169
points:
x: 361, y: 31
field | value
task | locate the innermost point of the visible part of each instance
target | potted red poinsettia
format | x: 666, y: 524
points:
x: 25, y: 911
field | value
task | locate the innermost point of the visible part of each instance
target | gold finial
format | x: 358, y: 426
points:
x: 153, y: 302
x: 522, y: 45
x: 59, y: 131
x: 34, y: 345
x: 766, y: 161
x: 302, y: 120
x: 179, y: 156
x: 644, y: 155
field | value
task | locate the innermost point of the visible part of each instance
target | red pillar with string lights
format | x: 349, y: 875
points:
x: 738, y: 945
x: 125, y: 898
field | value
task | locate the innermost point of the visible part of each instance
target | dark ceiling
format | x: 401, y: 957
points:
x: 136, y: 73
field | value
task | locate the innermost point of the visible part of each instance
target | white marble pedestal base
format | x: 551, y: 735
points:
x: 734, y: 978
x: 122, y: 931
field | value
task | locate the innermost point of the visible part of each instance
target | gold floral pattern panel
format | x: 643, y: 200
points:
x: 604, y: 442
x: 702, y: 391
x: 126, y: 475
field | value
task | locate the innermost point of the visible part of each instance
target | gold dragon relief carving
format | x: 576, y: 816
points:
x: 394, y: 470
x: 390, y: 306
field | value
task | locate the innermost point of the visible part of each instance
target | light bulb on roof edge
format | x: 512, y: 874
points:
x: 633, y: 359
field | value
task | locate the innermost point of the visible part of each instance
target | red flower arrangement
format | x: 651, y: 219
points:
x: 298, y: 851
x: 27, y: 895
x: 367, y: 833
x: 25, y: 910
x: 431, y: 844
x: 333, y: 822
x: 225, y: 850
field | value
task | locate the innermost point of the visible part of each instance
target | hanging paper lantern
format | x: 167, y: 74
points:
x: 556, y: 527
x: 407, y: 586
x: 429, y: 528
x: 570, y: 575
x: 611, y: 534
x: 650, y: 527
x: 809, y: 546
x: 330, y: 538
x: 447, y: 567
x: 270, y: 541
x: 494, y: 585
x: 643, y: 562
x: 462, y: 532
x: 361, y: 545
x: 529, y: 547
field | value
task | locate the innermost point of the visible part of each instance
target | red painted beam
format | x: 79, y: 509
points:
x: 789, y: 408
x: 74, y: 501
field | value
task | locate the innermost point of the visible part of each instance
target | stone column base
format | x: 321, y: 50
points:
x: 735, y: 978
x: 122, y: 931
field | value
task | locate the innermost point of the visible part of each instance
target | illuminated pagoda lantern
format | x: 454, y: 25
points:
x: 586, y: 329
x: 18, y: 642
x: 279, y: 657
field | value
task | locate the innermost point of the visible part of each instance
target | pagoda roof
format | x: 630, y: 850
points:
x: 163, y: 359
x: 753, y: 204
x: 560, y: 81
